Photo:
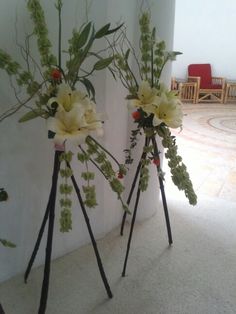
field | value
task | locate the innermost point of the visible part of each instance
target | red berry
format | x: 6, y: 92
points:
x: 56, y: 74
x: 136, y: 115
x: 120, y: 176
x: 156, y: 162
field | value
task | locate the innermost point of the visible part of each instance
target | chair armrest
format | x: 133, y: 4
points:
x: 219, y: 80
x: 175, y: 83
x: 195, y: 79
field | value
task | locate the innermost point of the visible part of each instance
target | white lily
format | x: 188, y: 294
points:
x: 68, y: 126
x: 147, y: 97
x: 168, y: 110
x: 66, y: 97
x: 75, y: 117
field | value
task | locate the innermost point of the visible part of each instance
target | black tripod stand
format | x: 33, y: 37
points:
x: 151, y: 139
x: 49, y: 216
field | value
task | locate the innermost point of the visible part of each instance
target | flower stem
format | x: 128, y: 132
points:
x: 59, y: 33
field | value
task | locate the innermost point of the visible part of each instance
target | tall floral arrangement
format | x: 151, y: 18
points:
x: 155, y: 109
x: 63, y: 94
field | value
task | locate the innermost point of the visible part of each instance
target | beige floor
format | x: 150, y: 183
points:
x: 207, y: 144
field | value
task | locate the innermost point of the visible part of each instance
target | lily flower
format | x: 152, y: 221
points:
x: 147, y: 96
x: 66, y: 97
x: 75, y: 117
x: 168, y: 110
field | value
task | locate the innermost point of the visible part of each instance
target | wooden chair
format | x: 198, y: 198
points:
x: 209, y: 88
x: 187, y: 91
x: 230, y: 92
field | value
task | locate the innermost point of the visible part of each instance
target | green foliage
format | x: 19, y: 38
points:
x: 116, y: 186
x: 82, y: 157
x: 88, y: 175
x: 102, y: 31
x: 90, y: 196
x: 99, y: 156
x: 152, y: 60
x: 144, y: 175
x: 65, y: 191
x: 66, y: 173
x: 102, y: 64
x: 133, y: 143
x: 32, y: 115
x: 79, y: 51
x: 41, y: 32
x: 7, y: 64
x: 180, y: 176
x: 65, y: 202
x: 66, y: 220
x: 122, y: 170
x: 7, y: 243
x: 66, y: 156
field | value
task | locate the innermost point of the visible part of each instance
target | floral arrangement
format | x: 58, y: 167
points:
x: 64, y: 96
x: 155, y: 109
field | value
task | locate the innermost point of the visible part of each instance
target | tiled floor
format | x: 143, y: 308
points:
x: 207, y: 144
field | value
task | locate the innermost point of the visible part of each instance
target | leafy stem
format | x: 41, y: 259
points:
x: 104, y: 149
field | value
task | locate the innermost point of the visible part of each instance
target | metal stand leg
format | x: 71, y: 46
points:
x: 99, y: 262
x: 144, y: 154
x: 49, y: 215
x: 156, y: 153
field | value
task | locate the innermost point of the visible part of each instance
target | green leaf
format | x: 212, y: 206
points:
x: 171, y: 55
x: 127, y: 54
x: 102, y: 31
x: 114, y: 29
x: 103, y: 63
x: 83, y: 37
x: 89, y: 87
x: 32, y: 115
x: 7, y: 243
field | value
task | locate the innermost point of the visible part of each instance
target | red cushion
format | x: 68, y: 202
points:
x: 202, y: 70
x: 212, y: 86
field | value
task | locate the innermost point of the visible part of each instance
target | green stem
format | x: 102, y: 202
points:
x: 59, y: 35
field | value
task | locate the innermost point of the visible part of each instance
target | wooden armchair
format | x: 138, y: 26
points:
x: 209, y: 88
x: 187, y: 91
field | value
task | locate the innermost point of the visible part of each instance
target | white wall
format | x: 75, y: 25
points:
x: 205, y: 33
x: 26, y: 155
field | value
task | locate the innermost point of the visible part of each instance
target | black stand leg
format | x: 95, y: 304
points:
x: 40, y: 235
x: 130, y: 197
x: 144, y: 154
x: 49, y: 214
x: 1, y: 310
x: 99, y: 262
x: 131, y: 232
x: 44, y: 291
x: 156, y: 153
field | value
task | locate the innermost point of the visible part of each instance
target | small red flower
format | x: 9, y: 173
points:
x: 136, y: 115
x: 120, y: 175
x: 156, y: 161
x: 56, y: 74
